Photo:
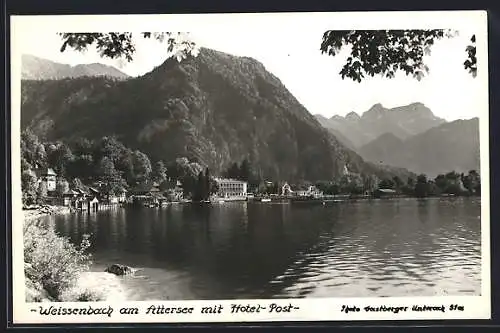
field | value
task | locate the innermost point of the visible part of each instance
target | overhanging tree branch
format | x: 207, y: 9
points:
x: 116, y: 45
x: 385, y: 52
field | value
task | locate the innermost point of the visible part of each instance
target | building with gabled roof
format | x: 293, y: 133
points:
x: 48, y: 176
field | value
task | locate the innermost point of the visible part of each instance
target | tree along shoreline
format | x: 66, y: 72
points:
x: 117, y: 169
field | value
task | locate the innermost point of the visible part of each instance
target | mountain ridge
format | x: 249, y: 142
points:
x: 403, y: 121
x: 37, y: 68
x: 215, y: 108
x: 450, y: 146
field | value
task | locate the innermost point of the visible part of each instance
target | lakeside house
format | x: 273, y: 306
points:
x: 173, y: 190
x: 99, y: 190
x: 147, y: 193
x: 231, y: 189
x: 78, y: 197
x: 118, y: 198
x: 69, y: 197
x: 47, y: 176
x: 83, y: 203
x: 92, y: 191
x: 286, y: 190
x: 145, y: 188
x: 93, y: 204
x: 80, y: 200
x: 85, y: 197
x: 311, y: 191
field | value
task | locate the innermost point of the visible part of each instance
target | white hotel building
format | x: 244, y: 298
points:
x: 231, y: 188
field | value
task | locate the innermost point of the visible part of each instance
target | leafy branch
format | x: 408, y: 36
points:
x: 385, y: 52
x: 115, y: 45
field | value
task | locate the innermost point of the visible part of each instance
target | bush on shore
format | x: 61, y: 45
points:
x: 52, y: 263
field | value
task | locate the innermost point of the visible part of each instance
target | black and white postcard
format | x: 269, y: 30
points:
x: 250, y: 167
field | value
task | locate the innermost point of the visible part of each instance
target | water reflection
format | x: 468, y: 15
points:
x: 237, y: 250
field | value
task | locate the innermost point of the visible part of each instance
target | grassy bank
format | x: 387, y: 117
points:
x: 57, y: 270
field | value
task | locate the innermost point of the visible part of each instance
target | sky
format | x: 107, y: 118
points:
x: 292, y: 54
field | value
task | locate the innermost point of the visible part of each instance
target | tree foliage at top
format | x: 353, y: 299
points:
x: 116, y: 45
x: 385, y: 52
x: 373, y: 52
x: 471, y: 63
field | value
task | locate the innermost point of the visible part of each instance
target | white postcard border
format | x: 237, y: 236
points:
x: 317, y: 309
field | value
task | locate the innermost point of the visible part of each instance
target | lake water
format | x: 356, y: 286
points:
x: 404, y: 247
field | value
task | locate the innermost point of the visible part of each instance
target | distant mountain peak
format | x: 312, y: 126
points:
x: 352, y: 116
x: 411, y: 107
x: 376, y: 111
x: 417, y: 104
x: 36, y: 68
x: 403, y: 122
x: 440, y: 149
x: 319, y: 116
x: 337, y: 117
x: 376, y: 107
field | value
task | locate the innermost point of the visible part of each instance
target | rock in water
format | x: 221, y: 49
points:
x: 118, y: 269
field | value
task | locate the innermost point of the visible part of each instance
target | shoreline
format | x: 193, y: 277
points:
x: 44, y: 210
x: 41, y: 211
x: 47, y: 210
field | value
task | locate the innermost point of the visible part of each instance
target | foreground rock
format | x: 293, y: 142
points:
x: 118, y: 269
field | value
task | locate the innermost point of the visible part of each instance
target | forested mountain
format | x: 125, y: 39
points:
x: 214, y: 109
